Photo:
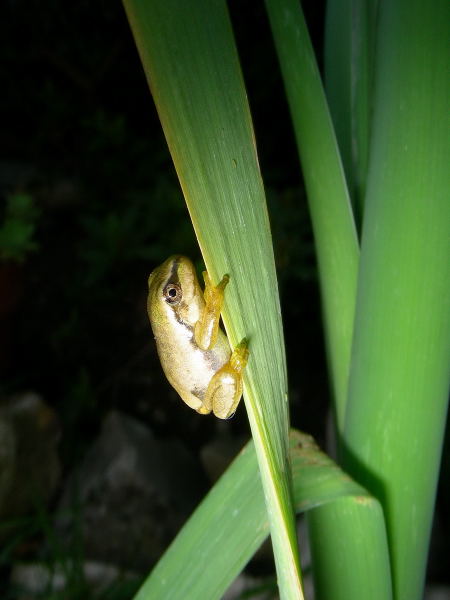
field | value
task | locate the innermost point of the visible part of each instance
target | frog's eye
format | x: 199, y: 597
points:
x: 172, y: 293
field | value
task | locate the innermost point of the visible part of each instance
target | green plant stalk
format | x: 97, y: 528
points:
x: 399, y: 379
x: 351, y: 561
x: 349, y: 549
x: 189, y: 56
x: 230, y: 524
x: 331, y: 214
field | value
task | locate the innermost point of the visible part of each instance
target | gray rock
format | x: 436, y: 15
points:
x: 36, y: 579
x: 29, y: 463
x: 130, y: 495
x: 246, y: 586
x: 7, y: 459
x: 436, y: 592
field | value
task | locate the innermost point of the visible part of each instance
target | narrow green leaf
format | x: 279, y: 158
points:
x: 331, y: 214
x: 349, y: 64
x: 189, y: 55
x: 231, y: 523
x: 337, y: 75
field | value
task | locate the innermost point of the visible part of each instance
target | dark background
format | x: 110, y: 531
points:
x: 80, y: 134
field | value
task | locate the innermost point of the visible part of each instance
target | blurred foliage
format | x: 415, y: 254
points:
x: 18, y: 228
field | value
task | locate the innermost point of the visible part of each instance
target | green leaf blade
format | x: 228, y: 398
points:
x: 329, y: 203
x: 191, y: 63
x: 349, y: 70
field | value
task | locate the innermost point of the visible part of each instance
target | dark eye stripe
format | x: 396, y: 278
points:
x: 173, y: 277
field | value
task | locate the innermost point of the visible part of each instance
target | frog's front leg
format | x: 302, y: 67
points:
x: 207, y: 326
x: 225, y: 388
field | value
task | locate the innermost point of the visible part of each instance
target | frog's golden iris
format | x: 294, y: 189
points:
x: 194, y: 352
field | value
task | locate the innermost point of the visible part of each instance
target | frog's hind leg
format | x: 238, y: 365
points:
x: 225, y: 388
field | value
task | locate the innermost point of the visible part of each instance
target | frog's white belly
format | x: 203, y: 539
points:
x: 188, y: 368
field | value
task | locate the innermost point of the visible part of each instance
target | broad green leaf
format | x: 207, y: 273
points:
x: 231, y: 523
x: 400, y: 377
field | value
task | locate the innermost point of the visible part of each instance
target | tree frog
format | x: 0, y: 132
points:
x: 195, y: 354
